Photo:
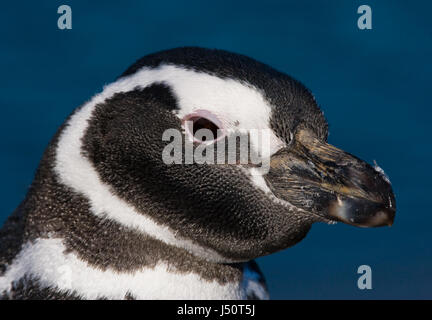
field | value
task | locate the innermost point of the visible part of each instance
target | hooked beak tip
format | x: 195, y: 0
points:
x: 362, y: 213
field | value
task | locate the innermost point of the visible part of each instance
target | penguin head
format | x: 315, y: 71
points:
x: 112, y: 151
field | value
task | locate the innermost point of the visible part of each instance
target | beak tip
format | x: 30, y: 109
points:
x: 392, y: 214
x: 362, y: 214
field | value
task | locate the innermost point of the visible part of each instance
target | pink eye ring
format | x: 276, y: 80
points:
x: 203, y: 119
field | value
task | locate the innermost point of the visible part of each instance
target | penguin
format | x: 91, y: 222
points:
x: 107, y: 218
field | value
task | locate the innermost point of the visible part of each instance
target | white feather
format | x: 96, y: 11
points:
x: 46, y: 260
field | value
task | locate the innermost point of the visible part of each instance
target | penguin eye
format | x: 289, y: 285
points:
x: 203, y: 119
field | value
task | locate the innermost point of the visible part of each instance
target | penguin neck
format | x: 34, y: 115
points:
x: 61, y: 230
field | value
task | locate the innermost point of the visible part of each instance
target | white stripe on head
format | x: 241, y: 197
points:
x: 231, y: 100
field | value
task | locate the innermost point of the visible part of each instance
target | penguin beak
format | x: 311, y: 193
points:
x: 333, y: 184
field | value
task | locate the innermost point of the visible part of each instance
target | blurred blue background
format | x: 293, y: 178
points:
x: 373, y: 85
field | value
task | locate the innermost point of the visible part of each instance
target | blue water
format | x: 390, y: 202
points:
x: 373, y: 85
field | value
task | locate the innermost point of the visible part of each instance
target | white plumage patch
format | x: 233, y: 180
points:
x: 232, y: 101
x: 46, y: 260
